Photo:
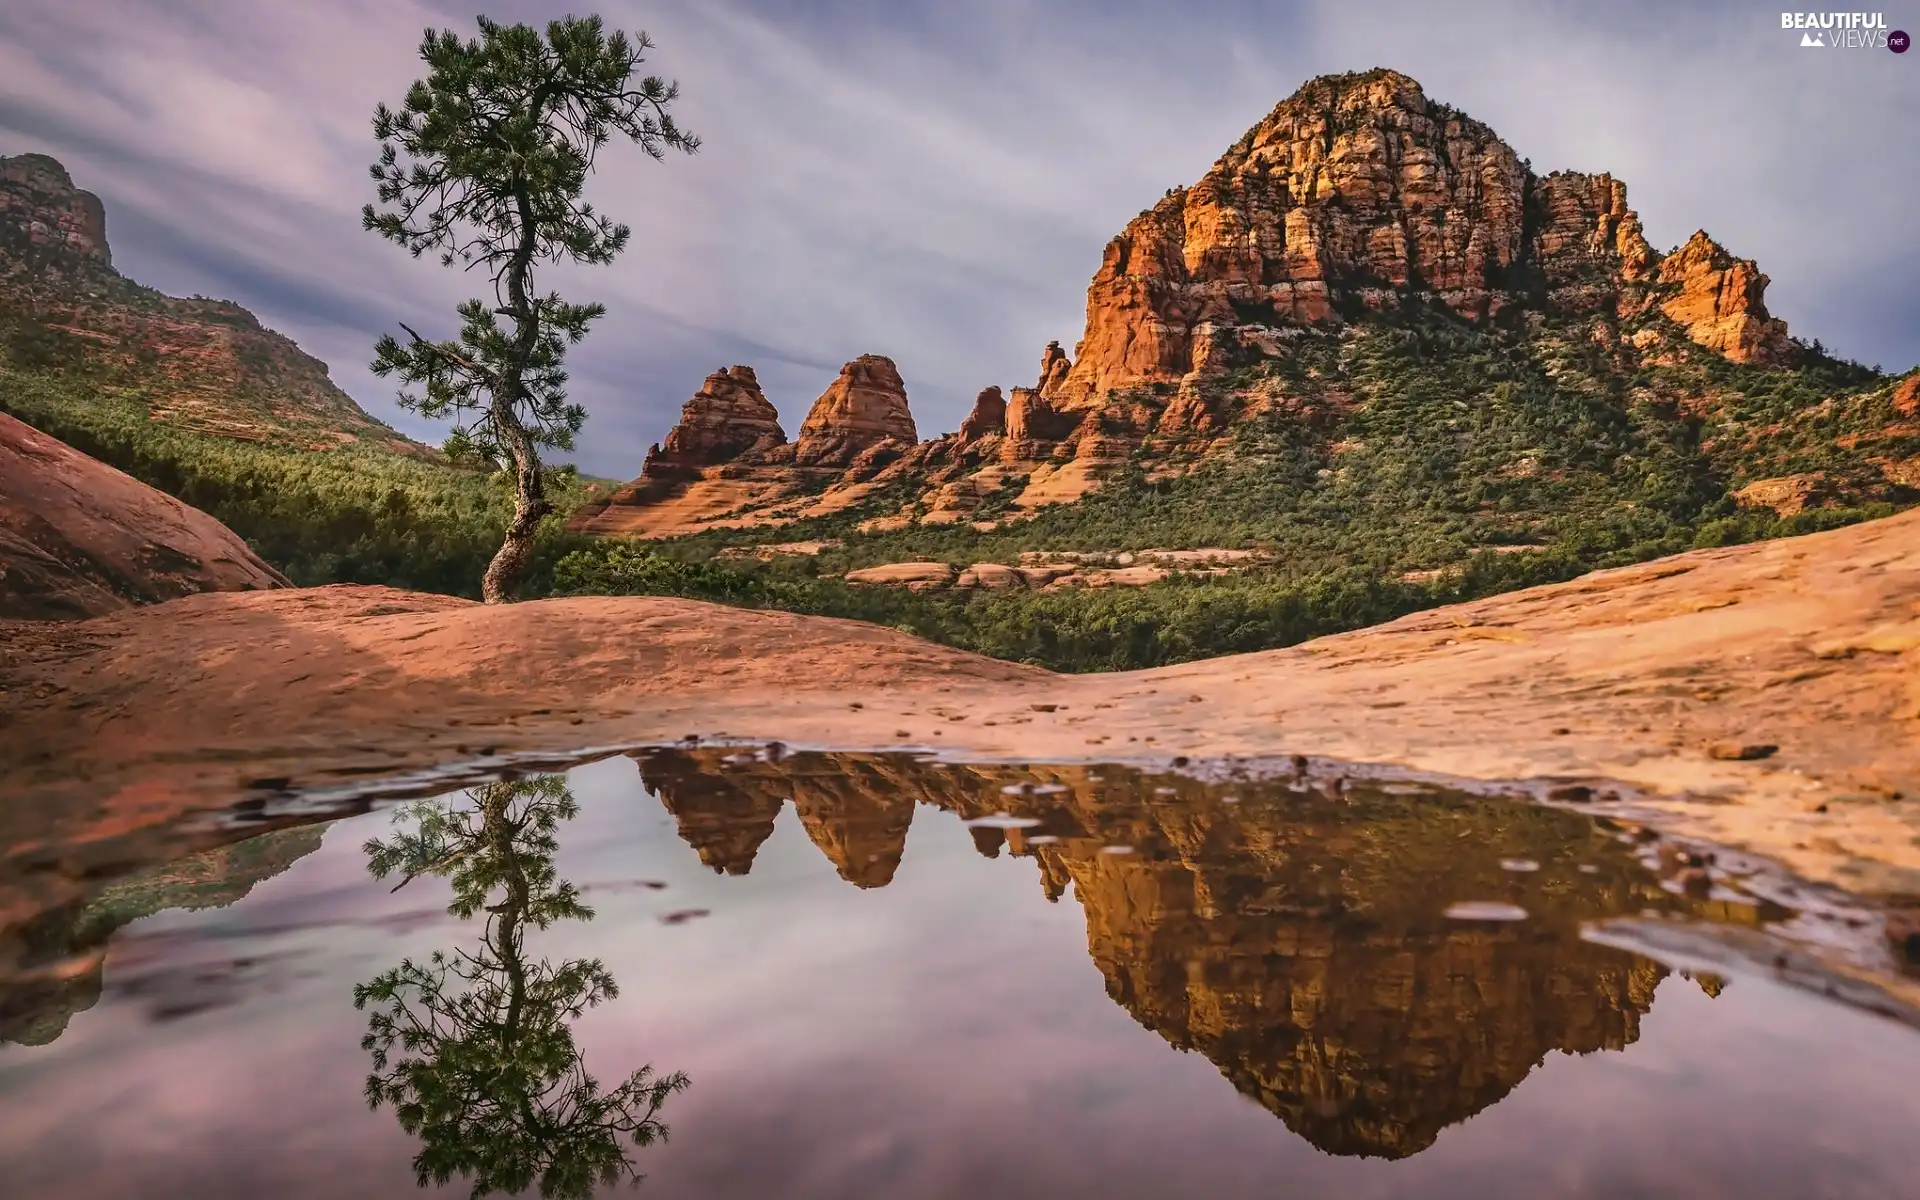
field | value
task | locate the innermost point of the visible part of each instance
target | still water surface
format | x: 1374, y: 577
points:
x: 850, y: 976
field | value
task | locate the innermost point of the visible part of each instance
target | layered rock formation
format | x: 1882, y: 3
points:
x: 988, y: 418
x: 862, y: 410
x: 78, y: 538
x: 1342, y: 1000
x: 203, y: 365
x: 729, y: 456
x: 47, y: 224
x: 1359, y: 193
x: 1356, y: 202
x: 727, y: 418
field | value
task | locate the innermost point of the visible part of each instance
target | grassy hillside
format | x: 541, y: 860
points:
x: 355, y: 514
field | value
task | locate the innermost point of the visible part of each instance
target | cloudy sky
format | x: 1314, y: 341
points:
x: 934, y: 181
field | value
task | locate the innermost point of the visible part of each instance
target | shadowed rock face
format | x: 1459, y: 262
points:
x: 78, y: 538
x: 1295, y: 937
x: 48, y: 224
x: 989, y: 416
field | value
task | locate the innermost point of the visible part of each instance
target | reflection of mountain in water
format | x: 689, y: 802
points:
x: 856, y: 810
x: 1294, y: 937
x: 51, y: 967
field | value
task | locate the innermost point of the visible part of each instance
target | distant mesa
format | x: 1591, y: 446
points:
x: 199, y: 365
x: 1354, y: 199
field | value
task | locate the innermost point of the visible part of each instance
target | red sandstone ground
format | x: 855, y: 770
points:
x: 1641, y: 675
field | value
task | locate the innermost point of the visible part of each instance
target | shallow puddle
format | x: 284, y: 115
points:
x: 847, y: 975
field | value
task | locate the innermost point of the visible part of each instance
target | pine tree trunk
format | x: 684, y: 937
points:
x: 530, y: 507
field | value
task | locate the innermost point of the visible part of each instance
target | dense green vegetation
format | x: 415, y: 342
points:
x: 343, y: 516
x: 1417, y: 462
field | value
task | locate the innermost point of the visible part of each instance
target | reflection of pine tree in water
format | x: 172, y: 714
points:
x: 474, y: 1048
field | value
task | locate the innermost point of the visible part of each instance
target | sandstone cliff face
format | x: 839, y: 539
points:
x: 1721, y: 302
x: 78, y: 538
x: 728, y: 417
x: 988, y: 418
x: 862, y: 409
x: 1340, y: 999
x: 47, y: 223
x: 1359, y: 191
x: 729, y: 454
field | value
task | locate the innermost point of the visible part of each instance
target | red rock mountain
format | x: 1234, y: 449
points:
x: 727, y: 418
x: 1354, y: 200
x: 203, y: 365
x: 729, y: 452
x: 78, y: 538
x: 865, y: 407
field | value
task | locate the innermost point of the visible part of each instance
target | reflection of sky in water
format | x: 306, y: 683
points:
x: 943, y: 1035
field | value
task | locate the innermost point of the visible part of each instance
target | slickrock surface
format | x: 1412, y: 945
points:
x: 1671, y: 676
x: 78, y: 538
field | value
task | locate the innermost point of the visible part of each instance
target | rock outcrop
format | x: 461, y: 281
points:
x: 78, y: 538
x: 1356, y: 193
x: 988, y: 418
x: 729, y: 456
x: 727, y: 418
x: 865, y: 408
x: 47, y: 225
x: 1721, y: 302
x: 1356, y: 206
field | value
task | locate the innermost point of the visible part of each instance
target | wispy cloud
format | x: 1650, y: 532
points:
x: 933, y: 182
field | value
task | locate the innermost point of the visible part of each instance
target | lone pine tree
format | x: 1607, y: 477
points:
x: 484, y: 164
